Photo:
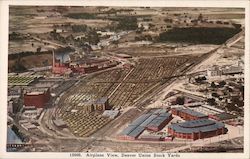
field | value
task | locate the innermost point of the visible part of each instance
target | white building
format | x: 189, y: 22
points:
x: 214, y: 71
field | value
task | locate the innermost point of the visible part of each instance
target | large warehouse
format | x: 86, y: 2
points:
x: 188, y: 114
x: 197, y: 129
x: 37, y: 97
x: 154, y: 121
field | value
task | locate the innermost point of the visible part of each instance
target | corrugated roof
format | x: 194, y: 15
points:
x: 139, y: 125
x: 148, y: 120
x: 128, y: 129
x: 203, y: 125
x: 158, y: 121
x: 137, y: 131
x: 225, y: 116
x: 165, y: 114
x: 197, y: 123
x: 140, y: 120
x: 158, y: 111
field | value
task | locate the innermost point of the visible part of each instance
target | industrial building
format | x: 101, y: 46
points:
x: 197, y: 129
x: 32, y: 114
x: 153, y: 121
x: 159, y: 122
x: 37, y: 97
x: 229, y: 70
x: 100, y: 104
x: 62, y: 67
x: 214, y: 71
x: 222, y: 117
x: 188, y: 114
x: 232, y: 70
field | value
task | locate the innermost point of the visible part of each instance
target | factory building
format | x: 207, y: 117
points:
x: 132, y: 132
x: 188, y: 114
x: 37, y: 97
x: 232, y: 70
x: 101, y: 104
x: 215, y: 71
x: 59, y: 67
x: 84, y: 66
x: 229, y: 70
x: 159, y: 122
x: 197, y: 129
x: 222, y: 117
x: 154, y: 121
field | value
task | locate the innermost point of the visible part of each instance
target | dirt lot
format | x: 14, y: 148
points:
x: 34, y: 61
x: 109, y: 146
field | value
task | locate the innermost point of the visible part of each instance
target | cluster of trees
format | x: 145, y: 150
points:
x: 201, y: 35
x: 180, y: 100
x: 92, y: 37
x: 220, y: 85
x: 79, y: 28
x: 168, y: 20
x: 18, y: 67
x: 143, y: 37
x: 16, y: 36
x: 200, y: 79
x: 57, y: 36
x: 27, y: 53
x: 211, y: 101
x: 127, y: 23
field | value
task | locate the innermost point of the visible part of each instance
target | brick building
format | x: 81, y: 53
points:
x: 188, y: 114
x: 37, y: 97
x: 197, y: 129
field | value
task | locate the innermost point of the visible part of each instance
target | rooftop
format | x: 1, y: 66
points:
x: 153, y: 118
x: 15, y: 80
x: 191, y: 112
x: 203, y: 125
x: 225, y: 116
x: 101, y: 100
x: 36, y: 90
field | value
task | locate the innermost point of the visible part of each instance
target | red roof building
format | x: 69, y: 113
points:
x: 197, y: 129
x: 37, y: 98
x: 188, y: 114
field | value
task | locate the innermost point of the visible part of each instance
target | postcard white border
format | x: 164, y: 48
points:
x: 4, y: 18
